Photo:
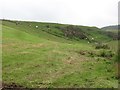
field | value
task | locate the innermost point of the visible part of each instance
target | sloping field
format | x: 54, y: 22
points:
x: 36, y: 58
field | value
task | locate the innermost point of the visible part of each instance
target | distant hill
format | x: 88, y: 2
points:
x: 112, y: 27
x: 112, y: 31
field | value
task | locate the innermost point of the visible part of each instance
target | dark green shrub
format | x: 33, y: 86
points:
x: 110, y: 54
x: 102, y: 46
x: 107, y: 54
x: 92, y: 54
x: 105, y: 46
x: 116, y: 58
x: 102, y: 54
x: 74, y: 32
x: 57, y: 27
x: 47, y: 26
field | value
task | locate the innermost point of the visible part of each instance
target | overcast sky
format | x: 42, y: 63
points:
x: 78, y: 12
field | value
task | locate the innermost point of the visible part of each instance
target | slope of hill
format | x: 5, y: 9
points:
x: 59, y: 30
x: 49, y: 55
x: 112, y: 31
x: 112, y: 27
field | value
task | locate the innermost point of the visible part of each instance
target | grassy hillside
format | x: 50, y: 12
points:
x: 112, y: 31
x: 112, y: 27
x: 52, y: 55
x: 49, y: 30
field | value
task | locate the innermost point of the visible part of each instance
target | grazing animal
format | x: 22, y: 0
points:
x: 36, y: 26
x: 92, y: 38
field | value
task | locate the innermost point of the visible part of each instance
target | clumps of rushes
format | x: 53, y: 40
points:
x: 98, y: 59
x: 91, y: 54
x: 83, y: 52
x: 102, y: 46
x: 116, y: 58
x: 104, y: 53
x: 109, y: 70
x: 88, y: 53
x: 107, y: 54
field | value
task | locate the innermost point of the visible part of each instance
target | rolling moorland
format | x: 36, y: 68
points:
x: 51, y: 55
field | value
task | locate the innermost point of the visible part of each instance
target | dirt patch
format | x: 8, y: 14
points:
x: 24, y: 52
x: 9, y: 45
x: 37, y: 45
x: 13, y: 86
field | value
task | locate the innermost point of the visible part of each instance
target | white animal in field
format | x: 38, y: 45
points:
x: 88, y: 42
x: 85, y: 38
x: 36, y: 26
x: 92, y: 38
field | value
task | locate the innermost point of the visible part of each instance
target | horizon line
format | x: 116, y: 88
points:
x: 55, y: 22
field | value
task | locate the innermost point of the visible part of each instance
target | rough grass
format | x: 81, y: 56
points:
x: 44, y: 60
